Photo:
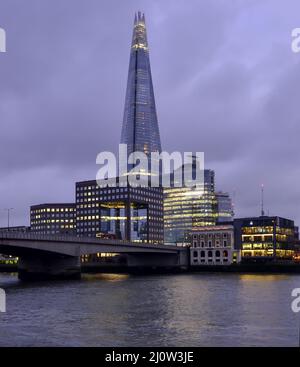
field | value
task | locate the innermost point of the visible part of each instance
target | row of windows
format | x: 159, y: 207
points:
x: 92, y: 223
x: 52, y: 221
x: 119, y: 191
x: 47, y: 210
x: 54, y: 215
x: 115, y: 197
x: 50, y: 232
x: 104, y: 194
x: 108, y: 218
x: 211, y: 261
x: 98, y: 211
x: 211, y: 235
x: 210, y: 253
x: 94, y: 189
x: 53, y: 226
x: 154, y: 232
x: 216, y: 243
x: 257, y: 238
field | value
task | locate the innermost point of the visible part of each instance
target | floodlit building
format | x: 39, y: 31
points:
x: 186, y: 208
x: 126, y: 213
x: 266, y: 238
x: 213, y: 245
x: 140, y: 129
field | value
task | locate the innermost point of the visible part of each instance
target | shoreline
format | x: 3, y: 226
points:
x: 235, y: 268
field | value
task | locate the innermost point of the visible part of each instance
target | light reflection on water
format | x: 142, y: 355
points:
x: 176, y: 310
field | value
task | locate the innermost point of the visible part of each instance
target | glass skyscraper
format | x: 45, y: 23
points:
x: 187, y: 208
x: 140, y: 126
x: 224, y: 207
x: 125, y: 212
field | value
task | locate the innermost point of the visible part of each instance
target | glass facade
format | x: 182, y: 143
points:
x: 140, y: 126
x: 187, y: 208
x: 125, y: 213
x: 224, y: 207
x: 266, y: 238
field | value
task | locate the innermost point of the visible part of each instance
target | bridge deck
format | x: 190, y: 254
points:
x: 75, y: 245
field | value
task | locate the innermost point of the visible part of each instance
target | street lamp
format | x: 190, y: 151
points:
x: 8, y: 216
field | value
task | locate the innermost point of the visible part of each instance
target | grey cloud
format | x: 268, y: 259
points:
x: 226, y: 83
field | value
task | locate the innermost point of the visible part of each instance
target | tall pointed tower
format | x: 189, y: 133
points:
x: 140, y: 126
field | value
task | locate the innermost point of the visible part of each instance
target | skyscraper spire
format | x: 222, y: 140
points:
x: 140, y: 129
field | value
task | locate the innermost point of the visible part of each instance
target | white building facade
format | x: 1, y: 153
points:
x: 213, y: 245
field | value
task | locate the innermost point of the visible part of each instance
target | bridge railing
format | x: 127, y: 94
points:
x: 69, y: 238
x: 53, y: 237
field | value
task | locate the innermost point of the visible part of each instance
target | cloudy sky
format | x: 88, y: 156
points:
x: 226, y: 83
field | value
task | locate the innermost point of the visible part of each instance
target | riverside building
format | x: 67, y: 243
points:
x: 187, y: 208
x: 126, y: 213
x: 213, y: 245
x: 50, y: 219
x: 224, y: 207
x: 266, y: 238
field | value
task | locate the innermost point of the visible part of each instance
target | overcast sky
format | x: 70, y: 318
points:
x: 226, y: 83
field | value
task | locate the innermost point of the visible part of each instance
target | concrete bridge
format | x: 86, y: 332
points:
x: 58, y: 256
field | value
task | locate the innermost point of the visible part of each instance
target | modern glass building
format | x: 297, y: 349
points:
x: 224, y: 207
x: 266, y: 238
x: 121, y: 212
x: 187, y: 208
x: 140, y: 126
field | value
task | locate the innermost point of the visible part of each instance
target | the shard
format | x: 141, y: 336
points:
x: 140, y: 126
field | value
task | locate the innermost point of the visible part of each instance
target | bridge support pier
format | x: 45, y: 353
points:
x: 144, y: 262
x: 46, y: 267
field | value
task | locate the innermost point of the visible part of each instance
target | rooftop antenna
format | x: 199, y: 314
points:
x: 262, y: 200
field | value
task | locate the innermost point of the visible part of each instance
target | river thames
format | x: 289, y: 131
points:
x: 169, y: 310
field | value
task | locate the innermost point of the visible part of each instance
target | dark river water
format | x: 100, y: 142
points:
x: 168, y: 310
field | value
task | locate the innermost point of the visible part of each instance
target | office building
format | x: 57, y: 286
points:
x: 213, y: 245
x: 186, y: 208
x: 266, y: 238
x: 224, y: 207
x: 126, y: 213
x: 140, y: 129
x: 53, y: 219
